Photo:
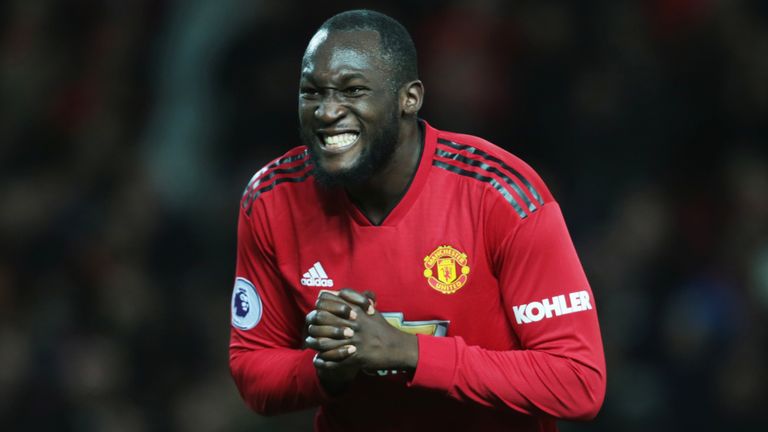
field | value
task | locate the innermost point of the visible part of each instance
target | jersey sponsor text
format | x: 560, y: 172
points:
x: 555, y: 306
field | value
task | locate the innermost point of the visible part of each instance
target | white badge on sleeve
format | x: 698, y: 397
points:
x: 246, y: 305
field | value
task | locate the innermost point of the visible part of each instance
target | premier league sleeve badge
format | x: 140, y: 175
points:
x: 246, y: 305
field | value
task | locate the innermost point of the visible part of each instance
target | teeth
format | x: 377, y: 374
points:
x: 340, y: 140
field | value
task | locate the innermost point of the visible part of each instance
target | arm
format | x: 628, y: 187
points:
x: 271, y: 371
x: 560, y: 371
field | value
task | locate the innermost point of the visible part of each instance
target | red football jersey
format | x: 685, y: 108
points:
x: 475, y: 259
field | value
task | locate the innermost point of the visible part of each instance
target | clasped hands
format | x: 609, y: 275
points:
x: 349, y: 335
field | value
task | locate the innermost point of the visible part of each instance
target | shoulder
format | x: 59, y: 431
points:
x: 273, y: 179
x: 511, y: 179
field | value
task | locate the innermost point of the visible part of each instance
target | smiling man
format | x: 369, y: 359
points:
x: 351, y: 110
x: 401, y: 277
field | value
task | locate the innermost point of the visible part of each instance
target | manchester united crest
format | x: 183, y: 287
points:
x: 446, y: 269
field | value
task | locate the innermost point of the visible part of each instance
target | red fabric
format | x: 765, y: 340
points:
x: 502, y: 365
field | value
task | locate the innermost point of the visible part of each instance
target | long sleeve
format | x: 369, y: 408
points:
x: 271, y: 371
x: 560, y: 369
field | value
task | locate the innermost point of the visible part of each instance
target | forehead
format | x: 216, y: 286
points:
x: 343, y: 51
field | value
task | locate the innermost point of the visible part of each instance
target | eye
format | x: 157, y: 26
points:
x: 308, y: 92
x: 354, y: 91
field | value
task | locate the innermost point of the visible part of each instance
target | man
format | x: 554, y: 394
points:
x: 400, y: 277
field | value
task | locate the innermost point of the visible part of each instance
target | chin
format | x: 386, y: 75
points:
x: 340, y: 176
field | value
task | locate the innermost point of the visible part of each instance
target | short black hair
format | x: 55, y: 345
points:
x: 397, y: 47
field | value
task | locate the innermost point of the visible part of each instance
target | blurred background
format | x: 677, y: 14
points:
x: 128, y: 130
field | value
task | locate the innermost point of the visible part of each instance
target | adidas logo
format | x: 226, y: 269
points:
x: 316, y: 277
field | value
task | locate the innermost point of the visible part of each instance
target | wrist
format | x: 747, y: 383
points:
x: 334, y: 384
x: 409, y: 351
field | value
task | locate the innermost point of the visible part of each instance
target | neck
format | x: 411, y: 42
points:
x: 381, y: 193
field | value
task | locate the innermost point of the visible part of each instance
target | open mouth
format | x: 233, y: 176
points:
x: 339, y: 143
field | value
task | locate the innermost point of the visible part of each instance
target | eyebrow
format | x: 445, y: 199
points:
x: 344, y: 76
x: 352, y: 75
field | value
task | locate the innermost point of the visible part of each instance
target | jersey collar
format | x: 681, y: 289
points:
x: 412, y: 191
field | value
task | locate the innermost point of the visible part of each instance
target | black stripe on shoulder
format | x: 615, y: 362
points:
x: 258, y: 192
x: 276, y: 172
x: 252, y: 193
x: 289, y: 159
x: 259, y: 177
x: 484, y: 166
x: 496, y: 185
x: 485, y: 155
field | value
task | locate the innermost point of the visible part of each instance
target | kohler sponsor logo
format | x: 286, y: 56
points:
x: 562, y: 304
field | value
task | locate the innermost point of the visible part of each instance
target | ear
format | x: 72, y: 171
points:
x: 411, y: 97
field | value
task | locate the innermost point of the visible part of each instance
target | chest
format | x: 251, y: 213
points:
x: 430, y: 272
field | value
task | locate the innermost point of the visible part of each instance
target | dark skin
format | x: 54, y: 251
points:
x: 346, y: 87
x: 350, y: 335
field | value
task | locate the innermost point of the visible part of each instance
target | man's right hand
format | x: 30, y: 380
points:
x: 329, y: 327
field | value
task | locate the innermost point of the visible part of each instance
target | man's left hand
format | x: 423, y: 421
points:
x: 377, y: 344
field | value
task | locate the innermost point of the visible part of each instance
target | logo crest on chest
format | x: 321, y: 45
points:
x: 446, y: 269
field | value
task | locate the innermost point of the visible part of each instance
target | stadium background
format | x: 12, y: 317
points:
x: 129, y: 129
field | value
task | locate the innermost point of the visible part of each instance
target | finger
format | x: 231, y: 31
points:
x: 357, y: 299
x: 336, y: 306
x: 322, y: 364
x: 326, y: 364
x: 327, y: 291
x: 332, y: 332
x: 328, y: 295
x: 370, y: 294
x: 337, y: 354
x: 311, y: 316
x: 326, y: 318
x: 372, y: 299
x: 324, y: 344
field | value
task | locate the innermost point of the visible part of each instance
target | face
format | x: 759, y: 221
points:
x: 348, y: 112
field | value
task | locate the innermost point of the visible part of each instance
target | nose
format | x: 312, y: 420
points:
x: 329, y: 110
